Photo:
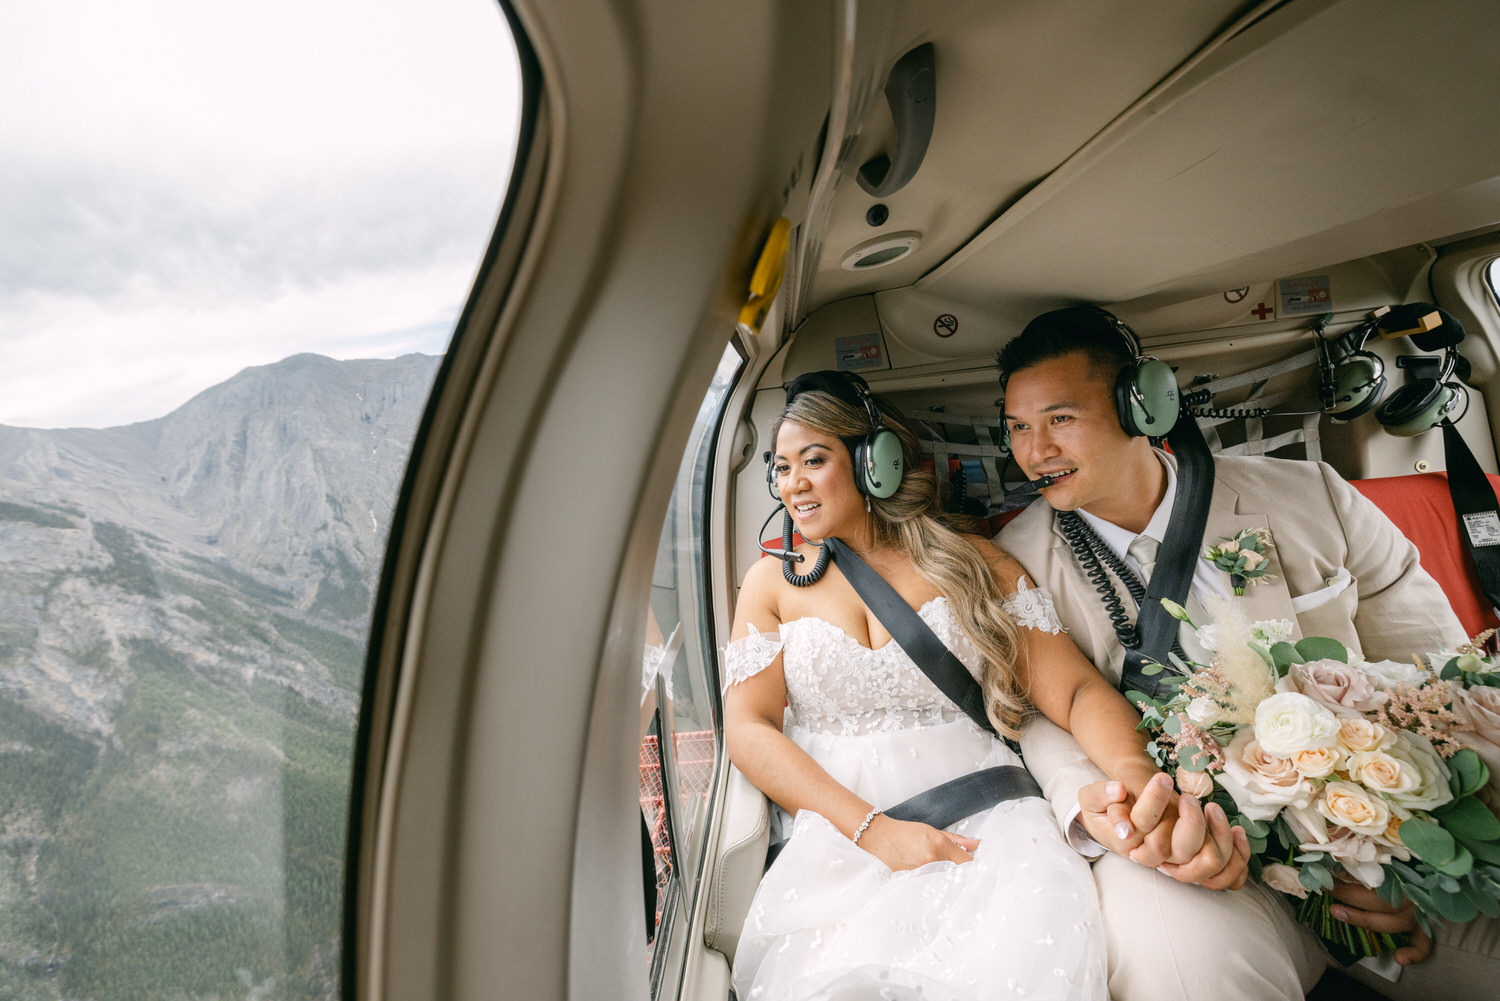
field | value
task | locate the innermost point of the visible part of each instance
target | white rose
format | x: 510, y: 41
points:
x: 1269, y: 632
x: 1359, y: 734
x: 1353, y: 807
x: 1283, y: 878
x: 1289, y: 722
x: 1204, y: 711
x: 1390, y: 673
x: 1432, y: 790
x: 1207, y: 636
x: 1261, y: 783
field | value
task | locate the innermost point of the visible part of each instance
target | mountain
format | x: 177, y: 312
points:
x: 182, y: 635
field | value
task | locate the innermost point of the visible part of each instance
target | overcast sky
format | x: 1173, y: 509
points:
x: 188, y: 187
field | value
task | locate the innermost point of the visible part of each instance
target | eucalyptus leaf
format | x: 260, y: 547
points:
x: 1283, y: 655
x: 1322, y: 648
x: 1265, y: 654
x: 1151, y: 668
x: 1479, y: 896
x: 1455, y: 907
x: 1173, y: 725
x: 1450, y: 670
x: 1428, y: 841
x: 1467, y: 773
x: 1460, y: 865
x: 1467, y: 819
x: 1192, y: 758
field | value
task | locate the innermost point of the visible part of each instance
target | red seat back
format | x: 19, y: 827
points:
x: 1421, y: 507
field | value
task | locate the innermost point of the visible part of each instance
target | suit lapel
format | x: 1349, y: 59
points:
x: 1263, y: 598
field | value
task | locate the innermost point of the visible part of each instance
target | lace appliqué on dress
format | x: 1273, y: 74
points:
x: 747, y: 656
x: 1031, y: 607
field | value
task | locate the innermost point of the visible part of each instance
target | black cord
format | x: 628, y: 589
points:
x: 1093, y: 555
x: 820, y: 565
x: 1084, y: 542
x: 1234, y: 413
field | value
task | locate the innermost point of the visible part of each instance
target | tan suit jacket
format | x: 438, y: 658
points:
x: 1318, y: 523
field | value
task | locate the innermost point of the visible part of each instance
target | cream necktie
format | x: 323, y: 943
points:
x: 1143, y: 550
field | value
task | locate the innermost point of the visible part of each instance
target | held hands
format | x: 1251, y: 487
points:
x: 902, y: 844
x: 1165, y: 831
x: 1359, y: 905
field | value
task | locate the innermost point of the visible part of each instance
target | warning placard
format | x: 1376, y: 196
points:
x: 1306, y: 295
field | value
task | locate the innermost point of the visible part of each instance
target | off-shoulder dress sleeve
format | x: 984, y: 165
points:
x: 749, y: 655
x: 1031, y: 607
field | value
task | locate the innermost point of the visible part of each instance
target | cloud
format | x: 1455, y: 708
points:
x: 192, y: 188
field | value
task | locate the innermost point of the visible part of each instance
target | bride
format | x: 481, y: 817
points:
x: 834, y: 723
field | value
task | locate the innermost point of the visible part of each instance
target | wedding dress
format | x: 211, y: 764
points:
x: 831, y: 922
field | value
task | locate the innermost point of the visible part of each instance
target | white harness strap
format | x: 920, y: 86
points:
x: 1256, y: 443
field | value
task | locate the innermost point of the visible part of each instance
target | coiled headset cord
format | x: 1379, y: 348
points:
x: 1092, y: 555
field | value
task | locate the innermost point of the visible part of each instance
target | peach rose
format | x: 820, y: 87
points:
x: 1379, y: 771
x: 1199, y: 784
x: 1432, y: 789
x: 1359, y: 734
x: 1260, y: 782
x: 1319, y: 762
x: 1353, y: 807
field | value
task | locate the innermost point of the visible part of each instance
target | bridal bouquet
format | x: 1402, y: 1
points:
x: 1336, y: 766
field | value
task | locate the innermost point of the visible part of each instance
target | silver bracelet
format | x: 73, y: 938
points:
x: 860, y: 831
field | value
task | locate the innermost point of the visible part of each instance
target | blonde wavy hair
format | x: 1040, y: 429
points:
x: 913, y: 521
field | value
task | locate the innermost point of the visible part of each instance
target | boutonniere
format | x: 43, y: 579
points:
x: 1246, y: 557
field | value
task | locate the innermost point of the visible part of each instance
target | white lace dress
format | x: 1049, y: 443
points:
x: 831, y: 922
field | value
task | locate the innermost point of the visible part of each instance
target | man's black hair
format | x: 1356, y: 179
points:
x: 1088, y: 329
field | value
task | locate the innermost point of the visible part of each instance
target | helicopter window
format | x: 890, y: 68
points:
x: 237, y: 239
x: 680, y: 696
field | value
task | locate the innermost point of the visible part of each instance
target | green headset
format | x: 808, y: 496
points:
x: 878, y: 459
x: 1423, y: 404
x: 1147, y: 400
x: 1355, y: 383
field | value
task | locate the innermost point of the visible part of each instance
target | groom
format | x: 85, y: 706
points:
x: 1339, y: 569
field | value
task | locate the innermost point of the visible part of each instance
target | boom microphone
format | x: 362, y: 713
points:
x: 1033, y: 486
x: 785, y: 555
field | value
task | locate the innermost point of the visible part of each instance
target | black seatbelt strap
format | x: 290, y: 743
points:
x: 916, y: 638
x: 1172, y: 576
x: 1478, y: 512
x: 965, y: 796
x: 945, y: 804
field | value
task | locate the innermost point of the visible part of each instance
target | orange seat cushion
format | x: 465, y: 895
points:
x: 1421, y: 507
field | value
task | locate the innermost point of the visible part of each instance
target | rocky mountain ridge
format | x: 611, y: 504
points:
x: 182, y: 638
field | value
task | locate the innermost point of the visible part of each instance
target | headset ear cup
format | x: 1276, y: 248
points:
x: 771, y: 476
x: 1146, y: 398
x: 1358, y: 385
x: 1418, y: 406
x: 881, y: 465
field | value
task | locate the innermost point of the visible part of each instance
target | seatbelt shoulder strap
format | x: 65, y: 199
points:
x: 916, y: 638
